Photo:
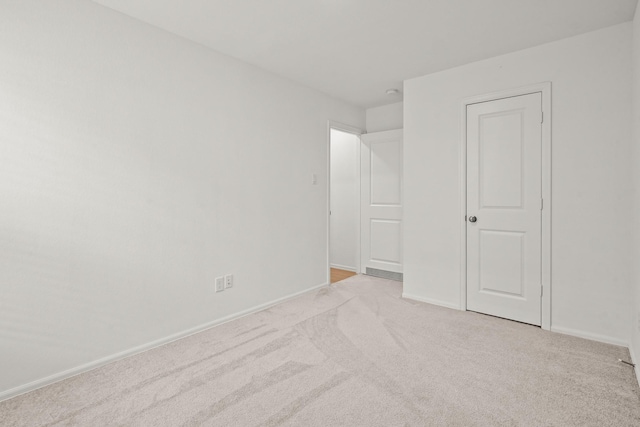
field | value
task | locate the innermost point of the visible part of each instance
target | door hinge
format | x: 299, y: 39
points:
x: 541, y: 290
x: 541, y: 204
x: 541, y: 116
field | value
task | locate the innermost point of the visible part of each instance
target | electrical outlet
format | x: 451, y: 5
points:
x: 219, y: 284
x: 228, y: 281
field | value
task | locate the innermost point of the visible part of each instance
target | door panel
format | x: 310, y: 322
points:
x: 386, y: 164
x: 500, y: 165
x: 385, y: 241
x: 504, y: 196
x: 501, y: 274
x: 382, y: 201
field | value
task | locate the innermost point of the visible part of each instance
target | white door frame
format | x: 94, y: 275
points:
x: 355, y: 131
x: 545, y: 89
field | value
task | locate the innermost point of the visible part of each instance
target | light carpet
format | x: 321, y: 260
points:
x: 353, y: 354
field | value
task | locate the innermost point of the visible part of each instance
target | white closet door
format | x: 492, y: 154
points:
x: 504, y: 204
x: 382, y: 201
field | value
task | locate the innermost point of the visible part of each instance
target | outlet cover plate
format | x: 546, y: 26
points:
x: 219, y: 284
x: 228, y: 281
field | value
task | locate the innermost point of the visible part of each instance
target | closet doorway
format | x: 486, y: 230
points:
x: 344, y: 202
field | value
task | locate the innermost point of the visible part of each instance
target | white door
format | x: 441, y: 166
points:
x: 381, y: 209
x: 504, y: 142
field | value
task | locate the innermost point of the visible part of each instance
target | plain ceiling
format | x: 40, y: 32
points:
x: 355, y: 50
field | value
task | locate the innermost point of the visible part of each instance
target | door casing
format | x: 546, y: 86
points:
x: 545, y: 89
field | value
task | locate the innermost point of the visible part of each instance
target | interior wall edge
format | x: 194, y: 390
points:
x: 634, y: 360
x: 634, y: 348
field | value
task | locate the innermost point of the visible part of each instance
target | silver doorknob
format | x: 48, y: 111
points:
x: 472, y: 219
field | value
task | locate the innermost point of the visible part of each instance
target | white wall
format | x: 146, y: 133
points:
x: 386, y: 117
x: 635, y: 312
x: 591, y: 173
x: 345, y: 199
x: 137, y: 167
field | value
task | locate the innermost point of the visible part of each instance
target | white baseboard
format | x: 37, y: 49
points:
x: 635, y: 361
x: 344, y: 267
x: 590, y: 336
x: 558, y: 329
x: 60, y: 376
x: 431, y: 301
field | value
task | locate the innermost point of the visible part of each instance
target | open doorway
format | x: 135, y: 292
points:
x: 344, y: 202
